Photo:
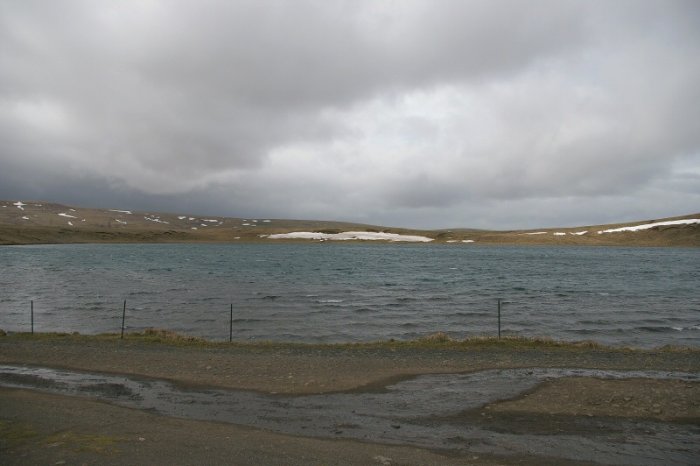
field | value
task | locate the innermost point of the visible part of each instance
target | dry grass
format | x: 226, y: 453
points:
x: 438, y: 340
x: 159, y: 334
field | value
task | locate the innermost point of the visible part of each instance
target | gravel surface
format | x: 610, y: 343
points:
x: 37, y: 428
x: 311, y: 369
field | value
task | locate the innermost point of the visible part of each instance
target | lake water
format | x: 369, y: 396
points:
x: 320, y: 292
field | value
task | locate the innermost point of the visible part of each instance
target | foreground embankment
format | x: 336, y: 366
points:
x: 38, y: 427
x: 299, y: 368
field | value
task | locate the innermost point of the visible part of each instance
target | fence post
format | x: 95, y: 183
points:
x: 32, y: 315
x: 123, y: 316
x: 230, y: 326
x: 499, y: 318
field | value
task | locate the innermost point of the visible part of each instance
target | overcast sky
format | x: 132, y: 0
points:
x: 430, y: 114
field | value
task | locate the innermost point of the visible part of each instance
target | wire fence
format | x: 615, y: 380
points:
x: 122, y: 315
x: 280, y: 319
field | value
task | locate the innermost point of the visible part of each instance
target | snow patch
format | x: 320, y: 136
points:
x: 20, y: 205
x: 559, y: 233
x: 352, y: 235
x: 647, y: 226
x: 467, y: 240
x: 24, y: 218
x: 267, y: 221
x: 156, y: 220
x: 128, y: 212
x: 70, y: 223
x: 579, y: 233
x: 210, y: 221
x: 119, y: 221
x: 194, y: 228
x: 63, y: 214
x: 181, y: 217
x: 536, y: 233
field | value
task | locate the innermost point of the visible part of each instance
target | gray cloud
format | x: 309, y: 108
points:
x: 413, y: 113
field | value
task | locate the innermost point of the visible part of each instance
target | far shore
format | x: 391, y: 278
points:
x: 688, y: 237
x: 41, y: 222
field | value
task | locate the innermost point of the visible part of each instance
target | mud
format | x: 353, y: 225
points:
x: 458, y: 413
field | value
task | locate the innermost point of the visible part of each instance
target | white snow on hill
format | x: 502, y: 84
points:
x: 647, y: 226
x: 352, y: 235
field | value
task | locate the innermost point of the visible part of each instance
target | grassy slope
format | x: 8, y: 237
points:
x: 437, y: 340
x: 43, y: 224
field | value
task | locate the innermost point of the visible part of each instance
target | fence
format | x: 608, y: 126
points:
x: 124, y: 308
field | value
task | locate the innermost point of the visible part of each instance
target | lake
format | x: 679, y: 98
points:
x: 320, y: 292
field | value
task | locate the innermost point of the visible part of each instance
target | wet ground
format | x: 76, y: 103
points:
x: 457, y: 413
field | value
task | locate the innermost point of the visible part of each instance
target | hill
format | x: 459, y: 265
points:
x: 37, y: 222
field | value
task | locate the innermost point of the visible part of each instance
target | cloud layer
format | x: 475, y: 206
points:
x: 429, y: 114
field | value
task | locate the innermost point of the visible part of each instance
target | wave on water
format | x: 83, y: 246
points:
x: 242, y: 320
x: 657, y: 329
x: 409, y: 325
x: 471, y: 314
x: 440, y: 298
x: 405, y: 299
x: 308, y: 292
x: 141, y: 293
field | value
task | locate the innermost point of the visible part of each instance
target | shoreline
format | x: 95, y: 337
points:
x: 297, y: 368
x: 37, y: 427
x: 41, y: 222
x: 157, y: 238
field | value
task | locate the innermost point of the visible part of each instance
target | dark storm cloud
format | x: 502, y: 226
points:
x: 412, y: 112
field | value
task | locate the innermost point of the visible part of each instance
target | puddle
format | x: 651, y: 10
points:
x: 411, y: 412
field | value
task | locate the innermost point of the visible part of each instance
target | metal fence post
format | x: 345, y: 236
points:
x: 499, y: 318
x: 123, y: 317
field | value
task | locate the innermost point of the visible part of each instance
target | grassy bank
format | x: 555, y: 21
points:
x: 439, y: 340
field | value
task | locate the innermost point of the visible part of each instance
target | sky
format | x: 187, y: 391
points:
x: 426, y: 114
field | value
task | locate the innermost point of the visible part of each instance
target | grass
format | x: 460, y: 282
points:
x: 13, y: 434
x: 83, y: 442
x: 439, y: 340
